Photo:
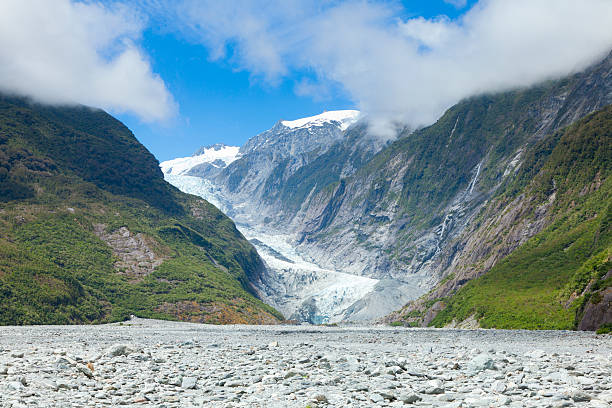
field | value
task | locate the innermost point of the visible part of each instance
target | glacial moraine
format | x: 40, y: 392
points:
x: 169, y: 364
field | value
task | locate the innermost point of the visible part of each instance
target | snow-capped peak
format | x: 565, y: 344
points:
x: 217, y: 155
x: 345, y: 117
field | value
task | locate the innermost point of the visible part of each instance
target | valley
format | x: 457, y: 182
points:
x: 305, y: 204
x: 298, y: 288
x: 295, y: 283
x: 353, y: 227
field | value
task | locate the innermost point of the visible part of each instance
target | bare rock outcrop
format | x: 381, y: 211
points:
x: 598, y: 310
x: 137, y: 257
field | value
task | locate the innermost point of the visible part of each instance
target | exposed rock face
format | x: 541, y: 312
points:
x: 137, y: 258
x: 598, y: 311
x: 372, y: 223
x: 279, y: 168
x: 263, y: 189
x: 416, y: 212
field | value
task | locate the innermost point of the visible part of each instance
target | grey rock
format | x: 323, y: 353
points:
x: 410, y: 398
x: 118, y: 350
x: 580, y: 396
x: 498, y: 387
x: 480, y: 363
x: 320, y: 398
x: 377, y: 398
x: 85, y: 370
x: 386, y: 395
x: 189, y: 382
x: 226, y: 376
x: 15, y: 385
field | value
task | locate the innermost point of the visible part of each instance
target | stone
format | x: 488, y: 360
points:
x: 85, y: 370
x: 559, y: 377
x: 176, y: 381
x: 434, y: 387
x: 49, y: 384
x: 386, y: 395
x: 226, y: 376
x: 118, y: 350
x: 320, y: 398
x: 189, y: 382
x: 498, y: 387
x: 15, y: 385
x: 537, y: 354
x: 580, y: 396
x: 149, y: 389
x: 606, y: 397
x: 393, y: 370
x: 409, y: 398
x: 376, y: 398
x: 481, y: 362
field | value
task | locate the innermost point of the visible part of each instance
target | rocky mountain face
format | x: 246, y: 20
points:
x: 541, y: 245
x: 265, y: 189
x: 272, y: 176
x: 401, y: 213
x: 423, y: 215
x: 91, y: 232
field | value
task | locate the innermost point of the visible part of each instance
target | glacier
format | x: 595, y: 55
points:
x: 293, y: 282
x: 291, y: 279
x: 217, y: 156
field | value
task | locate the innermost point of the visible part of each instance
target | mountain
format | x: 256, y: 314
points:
x: 414, y: 221
x: 206, y: 162
x: 91, y: 232
x: 263, y: 189
x: 547, y: 236
x: 267, y: 177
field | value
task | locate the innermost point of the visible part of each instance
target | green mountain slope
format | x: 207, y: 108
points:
x: 549, y: 281
x: 90, y: 231
x: 408, y: 212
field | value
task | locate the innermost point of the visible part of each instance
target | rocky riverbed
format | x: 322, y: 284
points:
x: 168, y: 364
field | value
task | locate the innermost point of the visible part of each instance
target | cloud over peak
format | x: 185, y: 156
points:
x: 65, y: 52
x: 395, y: 68
x: 399, y: 69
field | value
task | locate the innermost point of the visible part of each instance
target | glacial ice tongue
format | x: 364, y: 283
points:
x: 296, y: 280
x: 292, y: 282
x: 199, y: 187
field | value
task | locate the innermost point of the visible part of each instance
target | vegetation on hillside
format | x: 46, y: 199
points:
x: 546, y: 282
x: 65, y: 170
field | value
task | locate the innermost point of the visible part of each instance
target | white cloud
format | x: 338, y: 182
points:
x: 401, y: 70
x: 65, y: 52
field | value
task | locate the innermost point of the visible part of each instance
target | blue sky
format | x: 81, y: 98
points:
x: 219, y: 103
x: 187, y: 73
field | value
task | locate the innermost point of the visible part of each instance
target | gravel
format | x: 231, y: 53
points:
x: 169, y: 364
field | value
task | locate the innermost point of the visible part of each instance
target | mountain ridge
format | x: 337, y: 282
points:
x: 90, y: 232
x: 405, y: 211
